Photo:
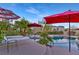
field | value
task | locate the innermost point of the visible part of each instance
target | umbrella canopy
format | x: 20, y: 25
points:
x: 7, y: 14
x: 34, y: 25
x: 68, y: 16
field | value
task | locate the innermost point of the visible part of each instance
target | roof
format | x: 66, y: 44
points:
x: 8, y: 14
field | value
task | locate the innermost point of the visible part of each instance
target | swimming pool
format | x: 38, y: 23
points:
x: 64, y: 43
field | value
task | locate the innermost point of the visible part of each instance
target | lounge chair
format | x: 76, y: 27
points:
x: 8, y: 43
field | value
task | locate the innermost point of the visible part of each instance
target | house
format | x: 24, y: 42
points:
x: 8, y: 15
x: 54, y: 29
x: 72, y: 31
x: 77, y: 31
x: 58, y: 28
x: 36, y: 29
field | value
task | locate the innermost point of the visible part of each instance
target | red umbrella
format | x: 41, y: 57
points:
x: 72, y: 16
x: 7, y: 14
x: 34, y: 25
x: 68, y: 16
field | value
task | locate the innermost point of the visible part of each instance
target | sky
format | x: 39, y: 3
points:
x: 35, y: 12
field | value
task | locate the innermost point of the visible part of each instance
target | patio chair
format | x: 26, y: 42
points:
x: 10, y: 40
x: 34, y: 37
x: 9, y: 43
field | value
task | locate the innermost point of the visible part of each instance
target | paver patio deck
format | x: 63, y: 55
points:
x: 30, y: 47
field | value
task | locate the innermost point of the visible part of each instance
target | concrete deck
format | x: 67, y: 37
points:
x: 29, y: 47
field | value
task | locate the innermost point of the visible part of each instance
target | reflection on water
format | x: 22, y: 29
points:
x: 64, y: 43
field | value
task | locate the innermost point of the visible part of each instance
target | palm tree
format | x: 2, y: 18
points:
x: 45, y: 39
x: 48, y: 27
x: 1, y: 36
x: 4, y: 26
x: 22, y: 26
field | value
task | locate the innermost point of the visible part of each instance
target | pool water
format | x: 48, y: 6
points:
x: 64, y: 43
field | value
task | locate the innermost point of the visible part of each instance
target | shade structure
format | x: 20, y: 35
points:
x: 34, y: 25
x: 72, y: 16
x: 65, y: 17
x: 7, y: 14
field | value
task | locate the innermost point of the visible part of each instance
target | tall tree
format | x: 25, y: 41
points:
x: 22, y: 25
x: 45, y: 39
x: 4, y: 27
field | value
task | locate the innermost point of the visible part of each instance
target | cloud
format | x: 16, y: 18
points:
x: 33, y: 20
x: 39, y: 15
x: 36, y: 12
x: 43, y: 15
x: 32, y: 10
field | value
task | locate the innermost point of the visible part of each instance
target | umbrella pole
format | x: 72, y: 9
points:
x: 69, y: 39
x: 69, y: 36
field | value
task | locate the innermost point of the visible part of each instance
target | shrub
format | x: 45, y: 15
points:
x: 56, y: 32
x: 43, y: 41
x: 1, y: 36
x: 12, y: 33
